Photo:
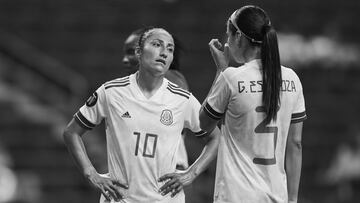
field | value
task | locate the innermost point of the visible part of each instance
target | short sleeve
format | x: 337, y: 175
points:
x: 218, y: 98
x: 93, y: 111
x: 299, y: 112
x: 191, y: 118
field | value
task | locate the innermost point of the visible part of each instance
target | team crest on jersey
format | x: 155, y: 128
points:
x: 92, y: 100
x: 166, y: 117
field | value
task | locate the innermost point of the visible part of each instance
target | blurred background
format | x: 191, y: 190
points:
x: 54, y: 54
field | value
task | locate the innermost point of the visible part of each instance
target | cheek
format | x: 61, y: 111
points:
x: 133, y: 60
x: 146, y: 55
x: 231, y: 48
x: 149, y: 53
x: 171, y: 57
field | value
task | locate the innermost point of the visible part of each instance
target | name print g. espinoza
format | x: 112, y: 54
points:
x: 256, y: 86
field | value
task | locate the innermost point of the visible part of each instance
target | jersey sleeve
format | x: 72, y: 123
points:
x: 218, y: 99
x: 93, y: 111
x: 191, y: 120
x: 299, y: 112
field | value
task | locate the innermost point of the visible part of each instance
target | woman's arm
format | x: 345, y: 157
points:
x: 72, y: 138
x: 176, y: 181
x: 293, y: 160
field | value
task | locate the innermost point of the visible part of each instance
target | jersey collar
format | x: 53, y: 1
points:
x: 139, y: 94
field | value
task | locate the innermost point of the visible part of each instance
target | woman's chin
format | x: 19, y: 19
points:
x: 160, y: 70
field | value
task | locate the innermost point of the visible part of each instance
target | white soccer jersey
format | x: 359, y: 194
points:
x: 143, y: 135
x: 250, y: 164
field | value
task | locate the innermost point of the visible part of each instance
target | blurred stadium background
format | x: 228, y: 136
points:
x: 54, y: 54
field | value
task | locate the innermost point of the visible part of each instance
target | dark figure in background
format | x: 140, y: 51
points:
x: 263, y: 109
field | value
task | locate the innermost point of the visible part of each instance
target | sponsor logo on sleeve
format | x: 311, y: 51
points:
x: 92, y: 100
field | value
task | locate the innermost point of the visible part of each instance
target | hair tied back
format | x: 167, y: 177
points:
x: 266, y: 28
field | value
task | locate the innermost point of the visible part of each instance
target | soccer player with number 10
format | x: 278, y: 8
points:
x: 144, y: 115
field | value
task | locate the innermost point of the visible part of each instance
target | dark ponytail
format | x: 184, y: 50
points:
x: 254, y: 24
x: 271, y: 73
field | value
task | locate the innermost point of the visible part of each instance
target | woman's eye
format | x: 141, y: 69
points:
x: 156, y: 44
x: 171, y: 50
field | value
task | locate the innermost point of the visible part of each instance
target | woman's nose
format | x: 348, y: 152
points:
x: 163, y: 54
x: 125, y: 60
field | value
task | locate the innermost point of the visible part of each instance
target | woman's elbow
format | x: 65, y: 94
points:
x: 296, y: 145
x: 67, y: 134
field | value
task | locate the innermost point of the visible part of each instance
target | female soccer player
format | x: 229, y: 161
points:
x: 262, y: 106
x: 131, y: 65
x: 144, y: 115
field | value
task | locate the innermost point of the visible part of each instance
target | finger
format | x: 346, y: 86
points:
x: 215, y: 43
x: 218, y: 45
x: 166, y: 190
x: 117, y: 192
x: 176, y: 191
x: 166, y: 176
x: 212, y: 41
x: 106, y: 194
x: 116, y: 182
x: 215, y: 46
x: 167, y: 184
x: 176, y: 185
x: 111, y: 192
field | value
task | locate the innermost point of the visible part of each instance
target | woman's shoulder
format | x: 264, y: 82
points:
x: 178, y: 78
x: 288, y: 72
x: 119, y: 79
x: 176, y: 89
x: 118, y: 82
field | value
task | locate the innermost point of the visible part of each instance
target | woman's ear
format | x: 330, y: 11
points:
x: 242, y: 40
x: 238, y: 36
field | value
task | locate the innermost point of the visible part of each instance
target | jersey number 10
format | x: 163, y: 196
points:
x: 263, y: 128
x: 148, y: 137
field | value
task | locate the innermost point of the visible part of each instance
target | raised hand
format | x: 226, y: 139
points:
x: 220, y: 54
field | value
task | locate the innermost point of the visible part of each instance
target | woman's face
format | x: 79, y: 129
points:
x: 130, y: 61
x: 157, y: 53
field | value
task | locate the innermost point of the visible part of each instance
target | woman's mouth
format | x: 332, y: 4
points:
x: 161, y: 61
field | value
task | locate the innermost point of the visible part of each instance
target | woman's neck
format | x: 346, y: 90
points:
x: 252, y: 54
x: 148, y: 83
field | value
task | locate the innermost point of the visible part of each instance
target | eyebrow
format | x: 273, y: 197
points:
x: 169, y: 44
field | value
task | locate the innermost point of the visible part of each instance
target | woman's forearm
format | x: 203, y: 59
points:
x: 293, y: 170
x: 208, y: 153
x: 77, y: 149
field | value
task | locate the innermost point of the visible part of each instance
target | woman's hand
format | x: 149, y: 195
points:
x: 220, y: 54
x: 176, y: 182
x: 109, y: 187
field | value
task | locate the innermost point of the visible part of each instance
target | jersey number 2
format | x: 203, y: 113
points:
x: 263, y: 128
x: 148, y: 137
